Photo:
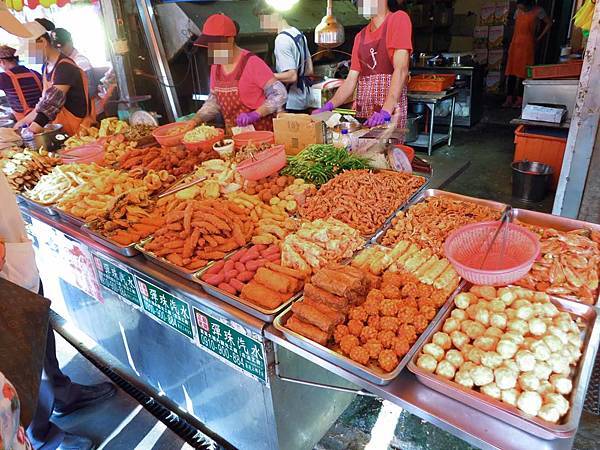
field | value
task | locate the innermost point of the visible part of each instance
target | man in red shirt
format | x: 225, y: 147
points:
x: 380, y: 62
x: 243, y: 88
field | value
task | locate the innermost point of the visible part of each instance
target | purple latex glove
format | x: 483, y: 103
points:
x: 378, y: 118
x: 245, y: 119
x: 326, y: 108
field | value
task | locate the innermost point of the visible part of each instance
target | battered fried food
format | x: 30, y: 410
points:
x: 312, y: 315
x: 307, y: 330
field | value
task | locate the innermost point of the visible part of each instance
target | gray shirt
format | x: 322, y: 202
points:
x: 287, y: 57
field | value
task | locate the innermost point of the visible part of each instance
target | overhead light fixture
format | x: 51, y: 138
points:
x: 329, y: 33
x: 281, y: 5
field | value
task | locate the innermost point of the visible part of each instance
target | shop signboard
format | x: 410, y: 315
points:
x: 116, y: 279
x: 165, y: 307
x: 232, y: 344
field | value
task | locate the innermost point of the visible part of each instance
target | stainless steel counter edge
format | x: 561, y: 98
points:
x: 189, y: 289
x: 464, y: 422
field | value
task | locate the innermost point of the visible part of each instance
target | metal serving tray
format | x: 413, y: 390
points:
x: 69, y: 218
x: 510, y: 414
x: 371, y: 374
x: 128, y: 250
x: 162, y: 262
x: 46, y: 209
x: 423, y: 194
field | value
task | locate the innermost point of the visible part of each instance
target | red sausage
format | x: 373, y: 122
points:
x: 253, y: 266
x: 216, y: 268
x: 237, y: 284
x: 227, y: 288
x: 237, y: 255
x: 245, y: 276
x: 229, y: 265
x: 230, y: 274
x: 240, y: 267
x: 214, y: 279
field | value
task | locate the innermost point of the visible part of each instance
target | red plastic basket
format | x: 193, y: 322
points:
x: 510, y: 258
x: 205, y: 145
x: 171, y: 135
x: 571, y: 69
x: 431, y: 83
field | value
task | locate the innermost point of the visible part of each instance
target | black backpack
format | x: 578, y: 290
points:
x: 302, y: 47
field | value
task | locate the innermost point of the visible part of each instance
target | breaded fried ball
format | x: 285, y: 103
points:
x: 559, y: 401
x: 537, y: 327
x: 420, y: 323
x: 486, y: 343
x: 455, y: 358
x: 339, y: 332
x: 459, y: 339
x: 368, y: 333
x: 360, y: 355
x: 518, y: 326
x: 374, y: 321
x: 474, y: 355
x: 507, y: 296
x: 515, y: 337
x: 494, y: 332
x: 464, y: 300
x: 386, y: 337
x: 374, y: 348
x: 459, y: 314
x: 442, y: 339
x: 487, y: 292
x: 438, y: 298
x: 510, y: 396
x: 391, y: 292
x: 542, y: 370
x: 475, y: 330
x: 505, y: 378
x: 464, y: 379
x: 528, y: 381
x: 525, y: 360
x: 445, y: 370
x: 498, y: 320
x: 507, y: 349
x: 553, y: 343
x: 407, y: 314
x: 355, y: 327
x: 482, y: 375
x: 427, y: 362
x: 492, y: 390
x: 491, y: 360
x: 410, y: 289
x: 434, y: 350
x: 496, y: 306
x: 409, y: 302
x: 550, y: 310
x: 541, y: 351
x: 400, y: 346
x: 408, y: 333
x: 424, y: 290
x: 389, y: 323
x: 371, y: 306
x: 389, y: 307
x: 562, y: 384
x: 428, y: 312
x: 560, y: 364
x: 525, y: 313
x: 511, y: 365
x: 549, y: 412
x: 483, y: 317
x: 529, y: 402
x: 375, y: 295
x: 388, y: 360
x: 466, y: 324
x: 347, y: 343
x: 358, y: 313
x: 450, y: 325
x: 545, y: 388
x: 472, y: 311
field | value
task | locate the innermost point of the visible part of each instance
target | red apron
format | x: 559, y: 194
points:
x: 522, y: 47
x: 15, y: 79
x: 376, y: 70
x: 67, y: 119
x: 226, y: 89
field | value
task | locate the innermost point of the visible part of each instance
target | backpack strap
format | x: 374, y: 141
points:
x: 302, y: 47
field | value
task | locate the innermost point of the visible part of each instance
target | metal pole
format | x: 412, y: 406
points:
x: 159, y: 59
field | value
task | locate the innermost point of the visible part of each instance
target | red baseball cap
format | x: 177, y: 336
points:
x: 216, y: 28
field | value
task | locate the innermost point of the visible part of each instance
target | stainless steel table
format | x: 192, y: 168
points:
x: 432, y: 99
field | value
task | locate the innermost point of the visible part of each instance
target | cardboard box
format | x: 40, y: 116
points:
x: 496, y: 36
x: 486, y: 16
x: 492, y: 81
x: 296, y: 131
x: 544, y: 113
x: 481, y: 56
x: 495, y: 58
x: 480, y: 37
x: 501, y: 12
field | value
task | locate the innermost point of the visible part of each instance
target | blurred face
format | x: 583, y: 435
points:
x: 269, y: 22
x: 370, y: 8
x: 36, y: 51
x: 221, y: 52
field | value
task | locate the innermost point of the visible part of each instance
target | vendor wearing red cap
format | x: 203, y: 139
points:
x: 22, y: 86
x: 380, y: 62
x: 243, y: 89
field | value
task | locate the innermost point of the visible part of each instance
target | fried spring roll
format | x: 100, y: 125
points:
x: 447, y: 279
x: 297, y: 274
x: 320, y: 295
x: 337, y: 317
x: 337, y: 283
x: 263, y: 296
x: 276, y: 281
x: 307, y: 330
x: 435, y: 271
x: 425, y: 267
x: 312, y: 315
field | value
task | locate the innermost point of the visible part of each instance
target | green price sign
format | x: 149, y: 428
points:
x: 232, y: 346
x: 116, y: 279
x: 166, y: 307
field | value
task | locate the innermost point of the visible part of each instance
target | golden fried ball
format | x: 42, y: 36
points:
x: 445, y: 370
x: 359, y: 313
x: 520, y: 303
x: 486, y: 343
x: 559, y: 364
x: 542, y: 370
x: 525, y: 360
x: 499, y: 320
x: 468, y: 366
x: 427, y: 362
x: 483, y: 317
x: 455, y: 358
x: 491, y: 360
x: 518, y: 326
x: 400, y: 346
x: 559, y: 401
x: 541, y: 351
x: 389, y: 307
x: 553, y: 343
x: 459, y: 314
x: 464, y: 300
x: 525, y: 313
x: 487, y: 292
x: 563, y: 315
x: 549, y: 412
x: 528, y: 381
x: 545, y: 388
x: 388, y: 360
x: 428, y: 312
x: 550, y: 310
x: 459, y: 339
x: 505, y: 378
x: 528, y: 342
x: 575, y: 339
x: 360, y: 354
x: 408, y: 333
x: 450, y: 325
x: 466, y: 349
x: 494, y: 332
x: 572, y: 352
x: 529, y: 402
x: 507, y: 296
x: 563, y: 385
x: 472, y: 311
x: 339, y: 332
x: 355, y: 327
x: 371, y: 306
x: 511, y: 365
x: 506, y: 348
x: 510, y: 396
x: 389, y: 323
x: 559, y: 334
x: 434, y: 350
x: 390, y: 291
x: 464, y: 379
x: 375, y: 295
x: 466, y: 324
x: 374, y: 347
x: 421, y: 323
x: 475, y: 330
x: 475, y: 355
x: 348, y: 342
x: 373, y: 321
x: 514, y: 336
x: 541, y: 297
x: 511, y: 314
x: 368, y: 334
x: 492, y: 390
x: 537, y: 327
x: 482, y: 375
x: 496, y: 306
x: 442, y: 339
x: 386, y: 337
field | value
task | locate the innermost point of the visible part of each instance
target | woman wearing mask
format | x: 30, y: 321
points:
x: 243, y: 89
x: 380, y: 62
x: 522, y: 48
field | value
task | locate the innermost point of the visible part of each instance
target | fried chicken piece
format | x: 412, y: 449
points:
x: 388, y: 360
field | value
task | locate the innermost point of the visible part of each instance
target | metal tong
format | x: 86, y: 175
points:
x: 181, y: 187
x: 504, y: 220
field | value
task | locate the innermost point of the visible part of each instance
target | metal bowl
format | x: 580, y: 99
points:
x: 51, y: 139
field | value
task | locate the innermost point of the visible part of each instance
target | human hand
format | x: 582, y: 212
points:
x: 20, y: 124
x: 245, y: 119
x: 35, y: 128
x: 325, y: 108
x: 378, y: 118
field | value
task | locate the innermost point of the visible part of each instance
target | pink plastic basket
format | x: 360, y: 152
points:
x: 509, y: 259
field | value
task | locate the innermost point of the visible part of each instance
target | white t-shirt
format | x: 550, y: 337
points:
x: 81, y: 60
x: 287, y: 57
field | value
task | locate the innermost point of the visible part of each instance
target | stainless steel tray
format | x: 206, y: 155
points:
x: 69, y: 218
x: 162, y: 262
x: 510, y: 414
x: 128, y: 250
x: 46, y: 209
x: 423, y: 194
x: 371, y: 374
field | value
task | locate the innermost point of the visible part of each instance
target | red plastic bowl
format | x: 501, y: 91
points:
x: 266, y: 163
x: 509, y: 260
x: 166, y: 139
x: 256, y: 137
x: 91, y: 153
x: 205, y: 145
x: 410, y: 152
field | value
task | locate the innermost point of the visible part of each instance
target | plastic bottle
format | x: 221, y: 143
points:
x: 345, y: 140
x: 26, y: 133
